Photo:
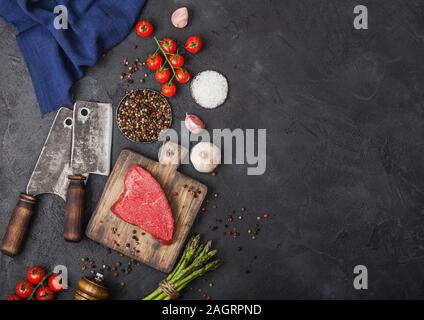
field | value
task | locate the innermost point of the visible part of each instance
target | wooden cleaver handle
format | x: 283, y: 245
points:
x: 14, y: 237
x: 74, y: 209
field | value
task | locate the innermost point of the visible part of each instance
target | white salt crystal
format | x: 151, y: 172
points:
x: 209, y: 89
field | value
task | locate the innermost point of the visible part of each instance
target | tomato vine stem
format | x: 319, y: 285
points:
x: 166, y: 58
x: 39, y: 285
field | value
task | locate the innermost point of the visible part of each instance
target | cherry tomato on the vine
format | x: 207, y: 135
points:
x: 176, y: 60
x: 168, y: 45
x: 194, y: 44
x: 35, y: 274
x: 144, y: 29
x: 14, y: 297
x: 154, y: 61
x: 24, y: 289
x: 169, y: 89
x: 44, y: 293
x: 182, y: 75
x: 162, y: 75
x: 54, y: 283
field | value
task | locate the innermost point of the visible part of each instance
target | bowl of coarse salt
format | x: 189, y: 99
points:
x: 209, y: 89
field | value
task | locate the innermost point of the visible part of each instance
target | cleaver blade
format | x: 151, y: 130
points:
x: 51, y: 172
x: 49, y: 176
x: 91, y: 149
x: 92, y: 138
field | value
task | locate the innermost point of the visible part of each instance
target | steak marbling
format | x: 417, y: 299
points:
x: 144, y: 204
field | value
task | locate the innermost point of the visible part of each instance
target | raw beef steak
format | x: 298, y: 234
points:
x: 144, y: 204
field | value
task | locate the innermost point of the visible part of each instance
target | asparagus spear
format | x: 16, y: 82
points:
x: 182, y: 284
x: 192, y: 264
x: 187, y: 255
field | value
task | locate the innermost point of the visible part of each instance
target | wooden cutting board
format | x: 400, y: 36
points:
x: 109, y: 230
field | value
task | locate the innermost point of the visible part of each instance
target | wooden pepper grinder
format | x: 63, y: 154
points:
x: 92, y: 289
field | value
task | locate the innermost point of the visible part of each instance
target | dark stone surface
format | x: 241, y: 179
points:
x: 344, y: 114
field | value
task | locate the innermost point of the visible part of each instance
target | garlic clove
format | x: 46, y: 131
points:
x: 194, y: 124
x: 180, y: 18
x: 205, y: 157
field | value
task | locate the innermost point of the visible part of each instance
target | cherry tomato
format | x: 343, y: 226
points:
x: 55, y: 283
x: 168, y: 45
x: 176, y: 60
x: 44, y: 293
x: 182, y: 75
x: 14, y: 297
x: 154, y: 61
x: 194, y: 44
x: 35, y: 274
x: 24, y: 289
x: 162, y: 75
x: 144, y: 29
x: 169, y: 89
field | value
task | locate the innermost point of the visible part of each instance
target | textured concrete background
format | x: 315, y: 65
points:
x: 344, y: 182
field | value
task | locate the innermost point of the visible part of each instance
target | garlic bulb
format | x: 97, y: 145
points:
x: 180, y: 18
x: 194, y: 124
x: 205, y: 157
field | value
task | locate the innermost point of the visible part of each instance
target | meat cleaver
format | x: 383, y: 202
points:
x: 49, y: 176
x: 91, y: 153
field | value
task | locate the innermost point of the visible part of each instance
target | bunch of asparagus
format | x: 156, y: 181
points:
x: 193, y: 263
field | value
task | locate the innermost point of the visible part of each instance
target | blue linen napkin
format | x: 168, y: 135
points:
x: 56, y: 59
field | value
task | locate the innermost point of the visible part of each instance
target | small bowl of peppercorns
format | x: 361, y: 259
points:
x: 143, y: 115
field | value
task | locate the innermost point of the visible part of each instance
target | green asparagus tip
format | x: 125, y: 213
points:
x: 212, y: 253
x: 213, y: 265
x: 196, y: 240
x: 208, y: 246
